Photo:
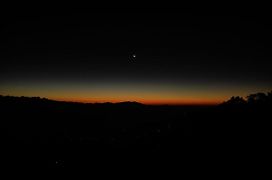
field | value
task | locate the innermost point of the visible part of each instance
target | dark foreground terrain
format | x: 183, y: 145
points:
x: 40, y: 132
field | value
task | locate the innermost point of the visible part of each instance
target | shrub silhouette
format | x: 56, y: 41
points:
x: 260, y: 99
x: 235, y: 101
x: 257, y: 98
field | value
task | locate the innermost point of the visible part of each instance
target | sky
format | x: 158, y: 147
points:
x: 183, y: 56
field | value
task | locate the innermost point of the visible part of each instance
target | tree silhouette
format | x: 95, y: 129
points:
x: 269, y: 97
x: 235, y: 100
x: 257, y: 98
x: 252, y: 99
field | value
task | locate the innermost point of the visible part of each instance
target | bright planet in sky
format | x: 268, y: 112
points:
x: 185, y: 58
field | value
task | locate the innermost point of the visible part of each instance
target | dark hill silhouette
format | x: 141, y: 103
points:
x: 72, y: 132
x: 131, y: 126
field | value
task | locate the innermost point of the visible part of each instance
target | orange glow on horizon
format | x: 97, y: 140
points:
x: 146, y: 101
x: 150, y: 94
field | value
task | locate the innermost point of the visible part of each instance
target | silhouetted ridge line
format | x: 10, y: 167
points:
x: 256, y: 99
x: 39, y: 99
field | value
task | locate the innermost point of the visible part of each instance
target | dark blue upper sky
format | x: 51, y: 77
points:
x: 177, y: 48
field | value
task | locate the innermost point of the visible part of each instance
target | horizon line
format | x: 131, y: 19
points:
x: 211, y: 103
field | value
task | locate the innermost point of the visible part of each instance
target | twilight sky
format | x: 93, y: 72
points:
x: 182, y: 56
